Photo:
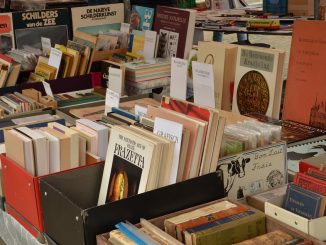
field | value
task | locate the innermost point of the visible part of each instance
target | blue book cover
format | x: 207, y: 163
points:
x: 125, y: 113
x: 303, y: 202
x: 277, y: 7
x: 220, y: 221
x: 141, y: 18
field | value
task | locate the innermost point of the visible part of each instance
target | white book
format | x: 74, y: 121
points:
x: 203, y: 79
x: 102, y: 132
x: 172, y: 131
x: 54, y: 151
x: 41, y: 150
x: 150, y: 44
x: 179, y: 78
x: 74, y: 142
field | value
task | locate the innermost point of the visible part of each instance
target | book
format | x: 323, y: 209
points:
x: 141, y: 18
x: 173, y: 131
x: 96, y: 15
x: 254, y: 171
x: 305, y: 75
x: 127, y: 165
x: 223, y: 58
x: 304, y: 202
x: 258, y: 81
x: 30, y: 26
x: 176, y: 31
x: 198, y: 129
x: 310, y: 183
x: 115, y: 82
x: 310, y: 148
x: 117, y: 237
x: 85, y: 53
x: 273, y: 237
x: 7, y: 40
x: 279, y: 8
x: 228, y: 230
x: 317, y: 162
x: 316, y: 174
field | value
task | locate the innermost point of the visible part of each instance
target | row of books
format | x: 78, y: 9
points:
x: 219, y: 222
x: 55, y: 148
x: 9, y: 71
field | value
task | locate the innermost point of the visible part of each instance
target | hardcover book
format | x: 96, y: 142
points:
x: 303, y: 202
x: 305, y: 94
x: 318, y: 162
x: 30, y: 26
x: 258, y: 81
x: 276, y: 7
x: 176, y: 31
x: 223, y: 58
x: 253, y: 171
x: 96, y: 15
x: 310, y: 183
x: 141, y: 18
x: 127, y: 166
x: 7, y: 41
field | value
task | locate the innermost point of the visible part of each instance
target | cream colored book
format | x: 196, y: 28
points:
x: 258, y: 81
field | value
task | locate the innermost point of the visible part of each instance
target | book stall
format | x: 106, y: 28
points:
x: 122, y: 123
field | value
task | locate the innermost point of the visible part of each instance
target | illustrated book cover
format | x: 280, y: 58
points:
x: 7, y: 41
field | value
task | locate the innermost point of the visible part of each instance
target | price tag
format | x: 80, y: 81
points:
x: 140, y: 111
x: 55, y: 59
x: 112, y: 99
x: 46, y: 45
x: 48, y: 89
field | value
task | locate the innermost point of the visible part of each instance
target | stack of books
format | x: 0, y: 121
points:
x: 9, y: 71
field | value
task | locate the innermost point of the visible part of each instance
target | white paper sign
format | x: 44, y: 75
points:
x: 48, y: 89
x: 203, y: 79
x: 55, y: 59
x: 112, y: 99
x: 115, y: 79
x: 178, y: 87
x: 46, y: 44
x: 172, y: 131
x: 140, y: 111
x: 150, y: 44
x: 125, y: 27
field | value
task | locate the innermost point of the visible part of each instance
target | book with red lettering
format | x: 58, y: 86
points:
x: 7, y: 41
x: 176, y: 31
x: 305, y: 94
x: 316, y: 174
x: 310, y: 183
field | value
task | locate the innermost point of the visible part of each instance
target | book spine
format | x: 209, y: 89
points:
x: 233, y: 233
x: 220, y: 221
x: 310, y: 183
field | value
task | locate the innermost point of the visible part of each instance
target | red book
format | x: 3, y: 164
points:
x: 317, y: 162
x: 310, y: 183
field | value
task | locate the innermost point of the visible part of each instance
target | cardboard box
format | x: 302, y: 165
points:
x: 313, y: 227
x: 71, y: 215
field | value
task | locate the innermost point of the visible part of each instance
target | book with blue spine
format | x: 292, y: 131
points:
x: 277, y: 7
x: 141, y: 18
x: 303, y: 202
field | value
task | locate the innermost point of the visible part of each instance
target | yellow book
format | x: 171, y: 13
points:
x: 138, y: 45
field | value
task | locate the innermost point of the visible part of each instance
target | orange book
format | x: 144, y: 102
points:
x: 180, y: 228
x: 305, y: 94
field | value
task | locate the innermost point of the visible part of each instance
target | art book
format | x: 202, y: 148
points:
x: 254, y: 171
x: 258, y: 81
x: 31, y: 26
x: 7, y: 41
x: 305, y: 94
x: 127, y: 165
x: 97, y: 15
x: 176, y: 31
x: 141, y: 18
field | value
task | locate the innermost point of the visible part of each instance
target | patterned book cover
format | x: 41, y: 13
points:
x: 310, y: 183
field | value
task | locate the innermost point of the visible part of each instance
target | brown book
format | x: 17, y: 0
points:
x: 276, y: 237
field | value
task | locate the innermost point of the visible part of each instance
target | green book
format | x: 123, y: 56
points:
x: 232, y: 231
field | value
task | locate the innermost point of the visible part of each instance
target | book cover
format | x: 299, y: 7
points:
x: 316, y: 173
x: 176, y: 31
x: 318, y: 162
x: 127, y: 166
x: 30, y: 26
x: 273, y: 237
x: 254, y: 171
x: 310, y: 183
x: 7, y: 41
x: 311, y: 148
x: 276, y: 7
x: 258, y: 81
x: 305, y: 94
x: 303, y: 202
x: 141, y: 18
x: 96, y: 15
x: 223, y: 58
